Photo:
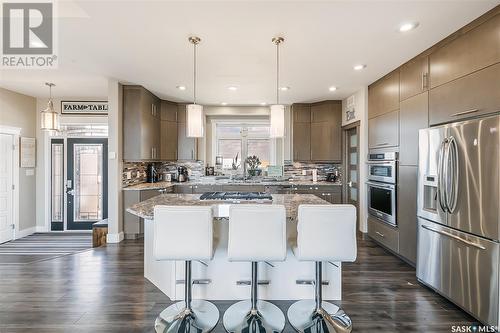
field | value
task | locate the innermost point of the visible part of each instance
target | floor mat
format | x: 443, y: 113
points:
x: 43, y: 246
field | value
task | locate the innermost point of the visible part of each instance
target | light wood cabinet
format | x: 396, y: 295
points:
x: 383, y: 131
x: 141, y: 124
x: 472, y: 95
x: 407, y: 212
x: 383, y: 233
x: 383, y: 95
x: 413, y: 116
x: 301, y: 139
x: 186, y: 147
x: 414, y: 77
x: 472, y: 51
x: 326, y: 133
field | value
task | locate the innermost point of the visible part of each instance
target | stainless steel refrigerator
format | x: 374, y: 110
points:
x: 458, y: 214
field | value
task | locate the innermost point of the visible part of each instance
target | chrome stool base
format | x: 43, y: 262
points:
x: 304, y: 317
x: 202, y: 318
x: 238, y: 318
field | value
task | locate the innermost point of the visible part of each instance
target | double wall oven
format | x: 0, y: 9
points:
x: 382, y: 175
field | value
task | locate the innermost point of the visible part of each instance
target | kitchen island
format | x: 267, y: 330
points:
x: 220, y: 279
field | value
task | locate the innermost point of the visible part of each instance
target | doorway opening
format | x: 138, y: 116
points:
x: 79, y: 180
x: 350, y: 138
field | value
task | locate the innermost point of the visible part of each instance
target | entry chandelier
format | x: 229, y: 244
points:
x: 277, y: 112
x: 194, y: 112
x: 49, y: 118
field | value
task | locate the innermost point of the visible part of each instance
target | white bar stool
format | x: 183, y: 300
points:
x: 185, y: 233
x: 256, y: 233
x: 324, y: 233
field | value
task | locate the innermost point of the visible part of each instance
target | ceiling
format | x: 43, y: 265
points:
x: 145, y: 42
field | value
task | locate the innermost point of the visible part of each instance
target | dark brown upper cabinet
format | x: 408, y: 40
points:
x: 414, y: 77
x: 383, y: 131
x: 326, y: 133
x: 168, y: 131
x: 301, y: 132
x: 467, y: 53
x: 383, y: 95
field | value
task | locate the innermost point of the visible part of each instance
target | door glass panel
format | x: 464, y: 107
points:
x: 57, y: 182
x: 354, y: 158
x: 353, y: 141
x: 88, y: 182
x: 354, y: 176
x: 354, y: 193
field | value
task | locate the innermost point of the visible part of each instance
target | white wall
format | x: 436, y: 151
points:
x: 18, y: 110
x: 361, y: 115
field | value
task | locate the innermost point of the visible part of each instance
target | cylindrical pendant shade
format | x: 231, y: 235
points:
x: 277, y: 121
x: 194, y: 121
x: 49, y: 118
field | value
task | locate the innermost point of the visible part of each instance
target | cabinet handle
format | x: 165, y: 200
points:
x: 152, y: 152
x: 464, y: 112
x: 192, y: 154
x: 382, y: 144
x: 425, y: 81
x: 380, y: 234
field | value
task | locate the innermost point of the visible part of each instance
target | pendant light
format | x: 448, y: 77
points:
x: 49, y: 118
x: 277, y: 111
x: 194, y: 112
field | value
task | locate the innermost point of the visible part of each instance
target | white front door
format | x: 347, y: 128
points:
x: 6, y: 190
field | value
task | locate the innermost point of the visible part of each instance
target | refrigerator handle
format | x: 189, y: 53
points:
x: 453, y: 154
x: 440, y: 188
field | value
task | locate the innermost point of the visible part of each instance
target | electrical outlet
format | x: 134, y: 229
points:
x: 304, y: 172
x: 129, y: 175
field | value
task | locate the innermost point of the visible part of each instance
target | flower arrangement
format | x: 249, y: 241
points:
x: 253, y: 165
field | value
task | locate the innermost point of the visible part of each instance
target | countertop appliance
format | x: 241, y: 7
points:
x: 382, y: 186
x: 151, y: 173
x: 182, y: 174
x: 236, y: 196
x: 458, y: 214
x: 332, y: 176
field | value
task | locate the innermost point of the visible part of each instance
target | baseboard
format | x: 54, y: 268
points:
x: 114, y: 238
x: 40, y: 228
x: 25, y: 232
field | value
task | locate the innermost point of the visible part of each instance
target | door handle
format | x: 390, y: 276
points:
x: 349, y: 184
x: 464, y: 112
x: 460, y: 239
x: 380, y: 234
x: 70, y: 191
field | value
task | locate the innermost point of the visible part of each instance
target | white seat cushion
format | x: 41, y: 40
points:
x: 326, y: 233
x: 257, y: 233
x: 183, y: 233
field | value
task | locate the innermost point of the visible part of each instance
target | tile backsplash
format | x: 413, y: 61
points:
x: 294, y: 170
x: 138, y: 170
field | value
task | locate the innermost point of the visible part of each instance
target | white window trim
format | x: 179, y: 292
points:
x: 244, y: 123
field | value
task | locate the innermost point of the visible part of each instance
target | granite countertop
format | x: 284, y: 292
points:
x: 160, y: 185
x: 145, y: 209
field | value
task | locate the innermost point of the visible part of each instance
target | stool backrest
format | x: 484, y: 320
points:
x: 326, y: 233
x: 257, y: 232
x: 183, y: 233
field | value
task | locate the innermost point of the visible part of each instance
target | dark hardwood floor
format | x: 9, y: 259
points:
x: 103, y: 290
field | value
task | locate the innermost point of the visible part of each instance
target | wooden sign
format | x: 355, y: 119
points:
x: 84, y: 107
x: 28, y: 152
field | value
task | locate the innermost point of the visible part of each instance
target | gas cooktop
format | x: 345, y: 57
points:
x: 236, y: 196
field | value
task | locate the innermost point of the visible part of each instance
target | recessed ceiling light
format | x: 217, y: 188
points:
x: 359, y: 67
x: 263, y: 103
x: 284, y: 88
x: 223, y: 103
x: 408, y: 26
x: 232, y: 88
x: 181, y: 87
x: 332, y: 88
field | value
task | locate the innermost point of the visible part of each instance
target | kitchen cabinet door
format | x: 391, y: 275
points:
x: 301, y: 113
x: 168, y: 140
x: 413, y: 116
x: 414, y: 77
x: 186, y: 147
x: 407, y: 212
x: 383, y: 131
x: 325, y: 142
x: 168, y: 111
x: 384, y: 234
x: 383, y: 95
x: 472, y: 51
x: 183, y: 188
x: 301, y: 141
x: 471, y: 95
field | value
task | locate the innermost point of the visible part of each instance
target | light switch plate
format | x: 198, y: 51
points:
x: 112, y: 155
x: 129, y: 175
x: 304, y: 172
